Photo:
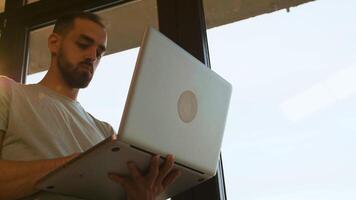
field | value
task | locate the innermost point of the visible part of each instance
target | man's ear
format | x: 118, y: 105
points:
x: 54, y: 41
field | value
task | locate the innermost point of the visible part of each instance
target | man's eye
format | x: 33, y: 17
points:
x: 82, y: 46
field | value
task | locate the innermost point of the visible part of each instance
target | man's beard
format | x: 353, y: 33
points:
x: 72, y: 74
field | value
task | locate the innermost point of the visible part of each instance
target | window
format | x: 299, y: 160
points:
x: 291, y: 128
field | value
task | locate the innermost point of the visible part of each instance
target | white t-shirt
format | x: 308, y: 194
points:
x: 41, y: 124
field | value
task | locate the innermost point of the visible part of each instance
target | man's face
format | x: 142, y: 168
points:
x: 80, y: 51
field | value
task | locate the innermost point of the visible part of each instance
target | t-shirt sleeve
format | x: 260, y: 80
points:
x: 105, y: 128
x: 5, y: 98
x: 108, y: 129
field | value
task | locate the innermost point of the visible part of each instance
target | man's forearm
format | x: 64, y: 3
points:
x: 18, y: 178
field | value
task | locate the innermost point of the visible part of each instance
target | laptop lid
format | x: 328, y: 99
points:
x: 175, y: 105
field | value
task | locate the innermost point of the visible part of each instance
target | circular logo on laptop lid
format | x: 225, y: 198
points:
x: 187, y: 106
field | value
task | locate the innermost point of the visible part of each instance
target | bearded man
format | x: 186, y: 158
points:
x: 42, y: 126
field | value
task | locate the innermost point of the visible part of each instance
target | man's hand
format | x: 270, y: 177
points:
x: 149, y: 186
x: 18, y: 178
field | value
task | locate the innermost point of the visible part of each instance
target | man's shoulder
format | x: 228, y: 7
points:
x: 6, y: 81
x: 6, y: 84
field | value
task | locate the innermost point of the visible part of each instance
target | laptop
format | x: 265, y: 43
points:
x: 175, y: 105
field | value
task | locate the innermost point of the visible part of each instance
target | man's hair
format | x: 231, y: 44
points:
x: 65, y: 23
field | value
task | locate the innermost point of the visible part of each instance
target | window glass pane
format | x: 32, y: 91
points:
x: 38, y: 53
x: 106, y: 95
x: 2, y: 6
x: 291, y: 128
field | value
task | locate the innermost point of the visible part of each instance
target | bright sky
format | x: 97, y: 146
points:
x: 291, y: 128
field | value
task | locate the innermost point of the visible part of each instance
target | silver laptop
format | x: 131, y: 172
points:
x: 175, y: 105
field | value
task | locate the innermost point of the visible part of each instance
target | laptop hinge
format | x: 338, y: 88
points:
x: 177, y: 163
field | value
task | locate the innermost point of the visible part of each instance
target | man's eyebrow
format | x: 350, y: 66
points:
x: 91, y: 40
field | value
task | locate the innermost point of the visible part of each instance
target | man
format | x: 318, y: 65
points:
x: 42, y: 126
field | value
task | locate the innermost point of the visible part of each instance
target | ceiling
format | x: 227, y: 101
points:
x: 124, y: 34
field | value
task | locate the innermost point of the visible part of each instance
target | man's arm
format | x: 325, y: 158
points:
x: 18, y: 178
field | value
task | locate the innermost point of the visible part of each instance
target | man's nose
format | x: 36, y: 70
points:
x: 91, y: 54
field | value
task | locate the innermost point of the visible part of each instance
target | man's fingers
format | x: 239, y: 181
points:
x: 135, y: 173
x: 166, y: 168
x: 170, y: 178
x: 154, y: 170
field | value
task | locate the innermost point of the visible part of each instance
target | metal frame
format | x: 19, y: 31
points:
x: 181, y: 20
x: 12, y: 42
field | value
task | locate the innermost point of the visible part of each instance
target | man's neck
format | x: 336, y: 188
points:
x: 55, y: 82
